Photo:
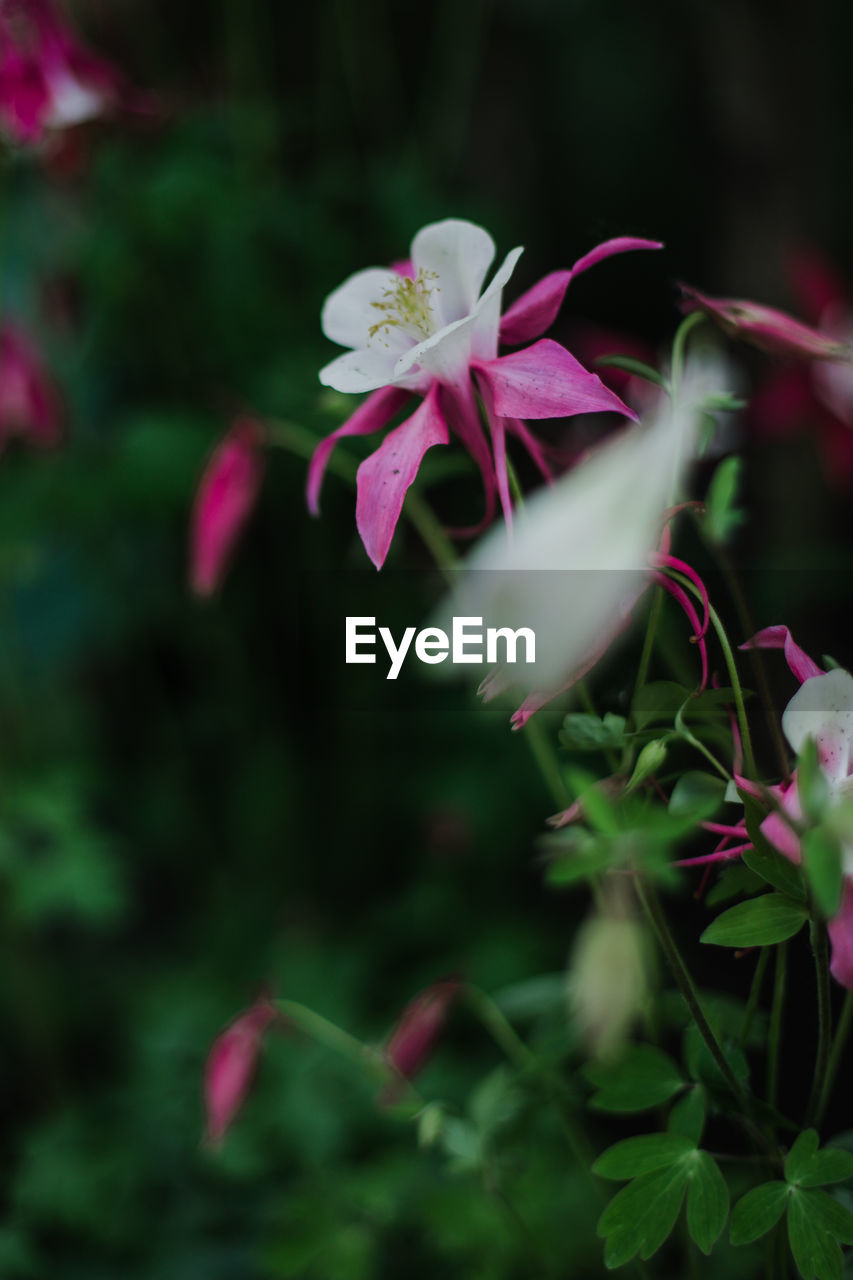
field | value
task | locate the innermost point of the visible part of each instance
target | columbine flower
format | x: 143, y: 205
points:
x: 428, y: 328
x: 822, y: 709
x: 47, y: 79
x: 767, y: 328
x: 583, y: 551
x: 226, y: 494
x: 230, y: 1067
x: 29, y: 404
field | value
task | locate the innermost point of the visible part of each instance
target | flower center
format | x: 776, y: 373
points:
x: 406, y: 305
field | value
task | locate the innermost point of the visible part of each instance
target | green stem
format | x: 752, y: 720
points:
x: 653, y: 910
x: 679, y: 345
x: 775, y: 1033
x: 820, y: 951
x: 754, y: 993
x: 649, y: 641
x: 432, y: 534
x: 334, y: 1037
x: 542, y: 750
x: 514, y: 485
x: 839, y: 1044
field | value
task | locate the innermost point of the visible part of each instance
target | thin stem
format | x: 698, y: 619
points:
x: 775, y: 1034
x: 653, y: 910
x: 333, y: 1037
x: 438, y: 544
x: 679, y: 345
x: 649, y: 641
x: 820, y: 951
x: 514, y: 485
x: 754, y: 993
x: 542, y: 750
x: 839, y: 1044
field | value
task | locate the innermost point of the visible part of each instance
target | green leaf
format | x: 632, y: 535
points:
x: 815, y: 1251
x: 812, y: 786
x: 703, y: 1065
x: 658, y: 703
x: 631, y: 365
x: 687, y: 1116
x: 697, y: 794
x: 722, y: 516
x: 649, y: 761
x: 829, y: 1214
x: 635, y: 1156
x: 758, y: 1211
x: 758, y: 922
x: 590, y: 733
x: 734, y: 882
x: 707, y: 1201
x: 763, y: 859
x: 597, y: 807
x: 801, y: 1155
x: 641, y: 1216
x: 640, y: 1078
x: 823, y: 861
x: 829, y: 1165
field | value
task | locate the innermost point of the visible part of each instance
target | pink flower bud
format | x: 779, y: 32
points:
x: 230, y: 1067
x: 414, y: 1037
x: 29, y: 404
x: 226, y: 495
x: 765, y: 327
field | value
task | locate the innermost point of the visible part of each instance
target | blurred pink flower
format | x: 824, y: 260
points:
x: 417, y: 1029
x: 230, y: 1067
x: 765, y: 327
x: 427, y: 327
x: 226, y: 495
x: 48, y: 80
x: 29, y: 403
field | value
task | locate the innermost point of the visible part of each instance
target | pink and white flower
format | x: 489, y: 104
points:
x: 48, y: 80
x: 226, y: 496
x: 29, y: 403
x: 822, y: 709
x: 429, y: 328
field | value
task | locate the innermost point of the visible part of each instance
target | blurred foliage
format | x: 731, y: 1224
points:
x: 198, y: 802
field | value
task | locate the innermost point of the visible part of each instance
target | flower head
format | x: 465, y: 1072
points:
x: 428, y: 327
x: 226, y: 495
x: 765, y: 327
x: 29, y: 403
x: 417, y: 1029
x: 47, y: 79
x: 230, y: 1067
x: 609, y: 975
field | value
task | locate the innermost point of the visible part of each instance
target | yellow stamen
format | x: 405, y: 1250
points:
x: 407, y: 305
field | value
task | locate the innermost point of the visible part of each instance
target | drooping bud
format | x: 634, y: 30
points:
x: 226, y: 495
x: 766, y: 327
x: 230, y: 1067
x: 29, y: 403
x: 417, y: 1029
x: 609, y: 975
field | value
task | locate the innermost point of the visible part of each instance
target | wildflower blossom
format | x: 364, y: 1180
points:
x: 29, y: 403
x: 230, y: 1067
x: 47, y: 79
x: 429, y: 328
x: 417, y: 1029
x: 766, y: 327
x: 609, y: 975
x: 583, y: 551
x: 224, y: 501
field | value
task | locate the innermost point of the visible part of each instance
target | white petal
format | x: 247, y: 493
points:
x: 356, y: 371
x: 348, y: 312
x: 460, y: 254
x: 448, y: 353
x: 822, y: 708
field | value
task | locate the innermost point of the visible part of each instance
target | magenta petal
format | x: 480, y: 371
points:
x: 460, y: 411
x: 379, y: 407
x: 841, y: 936
x: 384, y: 477
x: 226, y: 495
x: 545, y: 381
x: 619, y: 244
x: 230, y: 1067
x: 780, y: 637
x: 536, y: 310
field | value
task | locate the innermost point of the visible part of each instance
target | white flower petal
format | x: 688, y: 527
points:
x: 357, y: 371
x: 822, y: 708
x: 460, y: 253
x: 348, y: 312
x: 448, y: 353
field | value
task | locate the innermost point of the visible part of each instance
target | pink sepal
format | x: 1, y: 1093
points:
x: 227, y: 492
x: 840, y: 929
x: 545, y: 381
x: 230, y: 1067
x: 385, y: 476
x: 779, y: 637
x: 375, y: 413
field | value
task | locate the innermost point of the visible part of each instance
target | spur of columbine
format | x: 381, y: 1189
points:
x: 427, y: 327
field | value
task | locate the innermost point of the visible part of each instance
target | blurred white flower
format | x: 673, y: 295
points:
x: 608, y: 978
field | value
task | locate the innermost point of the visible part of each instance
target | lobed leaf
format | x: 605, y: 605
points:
x: 773, y: 917
x: 635, y: 1156
x: 758, y: 1211
x: 707, y: 1201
